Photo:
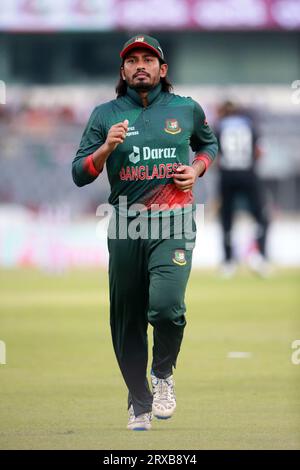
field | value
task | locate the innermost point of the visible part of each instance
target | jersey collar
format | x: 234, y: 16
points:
x: 152, y: 95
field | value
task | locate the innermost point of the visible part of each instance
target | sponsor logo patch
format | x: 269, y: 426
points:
x: 135, y: 156
x: 172, y: 126
x: 147, y: 153
x: 132, y: 131
x: 179, y: 257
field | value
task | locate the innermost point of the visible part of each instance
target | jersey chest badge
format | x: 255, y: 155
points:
x: 172, y: 126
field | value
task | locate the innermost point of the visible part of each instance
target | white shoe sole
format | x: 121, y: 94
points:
x: 162, y: 415
x: 139, y: 428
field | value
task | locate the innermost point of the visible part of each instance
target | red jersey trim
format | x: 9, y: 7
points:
x: 89, y: 167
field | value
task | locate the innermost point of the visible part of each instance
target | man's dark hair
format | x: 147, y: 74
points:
x: 121, y: 87
x: 227, y: 108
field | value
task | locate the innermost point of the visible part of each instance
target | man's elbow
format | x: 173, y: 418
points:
x: 77, y: 180
x: 215, y: 149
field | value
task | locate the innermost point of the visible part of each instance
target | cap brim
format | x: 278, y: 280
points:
x: 141, y: 44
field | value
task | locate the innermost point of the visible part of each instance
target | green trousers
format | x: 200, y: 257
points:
x: 147, y: 279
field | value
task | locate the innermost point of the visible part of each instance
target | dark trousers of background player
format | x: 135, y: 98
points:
x: 234, y: 184
x: 147, y: 285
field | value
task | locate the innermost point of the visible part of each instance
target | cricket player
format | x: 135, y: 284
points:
x: 143, y: 138
x: 239, y: 153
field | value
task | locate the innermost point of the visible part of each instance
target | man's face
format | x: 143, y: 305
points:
x: 142, y: 70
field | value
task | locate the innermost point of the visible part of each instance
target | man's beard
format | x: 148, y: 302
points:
x: 140, y: 86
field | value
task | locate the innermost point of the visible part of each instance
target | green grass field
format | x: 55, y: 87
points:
x: 61, y: 388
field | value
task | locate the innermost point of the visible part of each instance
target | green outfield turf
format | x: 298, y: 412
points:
x: 61, y: 388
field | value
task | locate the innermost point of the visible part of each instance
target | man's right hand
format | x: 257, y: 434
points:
x: 116, y: 135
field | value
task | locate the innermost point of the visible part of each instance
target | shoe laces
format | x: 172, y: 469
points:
x: 163, y: 389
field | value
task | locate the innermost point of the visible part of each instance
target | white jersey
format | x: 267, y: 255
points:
x: 236, y: 143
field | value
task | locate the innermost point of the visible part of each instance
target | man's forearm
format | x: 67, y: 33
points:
x: 100, y: 156
x: 199, y: 167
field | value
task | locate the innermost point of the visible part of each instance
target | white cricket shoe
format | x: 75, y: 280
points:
x: 259, y: 265
x: 228, y: 269
x: 164, y: 399
x: 139, y: 423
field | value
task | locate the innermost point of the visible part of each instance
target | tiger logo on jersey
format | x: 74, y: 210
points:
x: 179, y: 257
x: 172, y: 126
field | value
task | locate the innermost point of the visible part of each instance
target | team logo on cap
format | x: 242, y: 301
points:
x: 179, y: 257
x: 172, y: 126
x: 139, y: 39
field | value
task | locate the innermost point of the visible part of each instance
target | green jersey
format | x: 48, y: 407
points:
x: 156, y: 143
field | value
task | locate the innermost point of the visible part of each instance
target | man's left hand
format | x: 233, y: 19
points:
x: 184, y: 177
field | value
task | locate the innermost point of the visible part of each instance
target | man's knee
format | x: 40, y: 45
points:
x: 167, y: 309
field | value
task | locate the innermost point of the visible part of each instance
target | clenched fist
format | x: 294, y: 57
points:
x: 116, y: 135
x: 184, y: 177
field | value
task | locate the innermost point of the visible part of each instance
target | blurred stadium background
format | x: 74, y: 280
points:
x: 59, y: 59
